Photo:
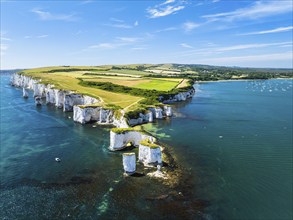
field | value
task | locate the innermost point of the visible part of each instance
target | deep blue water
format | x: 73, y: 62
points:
x: 234, y: 138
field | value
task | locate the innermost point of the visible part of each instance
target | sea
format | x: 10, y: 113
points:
x: 232, y: 139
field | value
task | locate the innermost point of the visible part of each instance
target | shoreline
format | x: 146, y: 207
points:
x: 45, y: 91
x: 235, y: 80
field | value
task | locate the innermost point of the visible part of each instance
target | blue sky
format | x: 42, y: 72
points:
x: 215, y: 32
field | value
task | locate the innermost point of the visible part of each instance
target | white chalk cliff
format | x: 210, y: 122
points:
x: 129, y: 162
x: 149, y: 155
x: 84, y: 114
x: 119, y: 141
x: 182, y: 96
x: 24, y: 93
x: 152, y: 113
x: 60, y: 98
x: 70, y: 101
x: 86, y: 109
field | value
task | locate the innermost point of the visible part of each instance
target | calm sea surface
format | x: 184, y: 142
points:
x: 236, y: 138
x: 233, y: 138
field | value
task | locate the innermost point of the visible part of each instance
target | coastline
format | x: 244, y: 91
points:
x: 81, y: 108
x: 236, y: 80
x: 177, y: 182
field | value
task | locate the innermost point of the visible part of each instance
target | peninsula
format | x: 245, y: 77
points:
x: 126, y: 96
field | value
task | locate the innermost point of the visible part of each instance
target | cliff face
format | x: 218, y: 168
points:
x: 149, y: 156
x: 153, y: 113
x: 60, y: 98
x: 83, y: 115
x: 182, y: 96
x: 119, y: 141
x: 24, y: 93
x: 129, y: 163
x: 70, y: 101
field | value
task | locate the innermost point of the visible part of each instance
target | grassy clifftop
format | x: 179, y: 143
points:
x: 133, y: 87
x: 127, y: 87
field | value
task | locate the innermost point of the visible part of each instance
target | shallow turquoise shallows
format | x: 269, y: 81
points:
x: 233, y: 138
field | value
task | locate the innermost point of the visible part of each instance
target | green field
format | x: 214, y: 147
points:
x: 158, y: 84
x: 72, y: 83
x: 141, y: 83
x: 69, y: 78
x: 136, y: 86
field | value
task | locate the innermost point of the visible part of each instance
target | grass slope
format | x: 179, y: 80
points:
x: 129, y: 87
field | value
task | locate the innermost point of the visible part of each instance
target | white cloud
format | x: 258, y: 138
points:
x: 5, y: 39
x: 276, y: 30
x: 189, y: 26
x: 84, y: 2
x: 128, y: 39
x: 42, y: 36
x: 256, y: 10
x: 249, y: 60
x: 186, y: 45
x: 168, y: 2
x: 117, y: 23
x: 3, y: 36
x: 104, y: 46
x: 214, y: 1
x: 48, y: 16
x: 3, y: 48
x: 138, y: 48
x: 118, y: 42
x: 167, y: 29
x: 117, y: 20
x: 249, y: 46
x: 221, y: 50
x: 123, y: 26
x: 156, y: 13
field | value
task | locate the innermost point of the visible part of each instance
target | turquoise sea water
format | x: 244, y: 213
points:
x: 233, y: 138
x: 236, y: 138
x: 88, y: 183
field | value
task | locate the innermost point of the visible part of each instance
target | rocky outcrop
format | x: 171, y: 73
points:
x: 149, y: 155
x: 71, y: 100
x: 151, y: 114
x: 68, y: 99
x: 84, y: 114
x: 157, y: 112
x: 167, y: 111
x: 143, y: 118
x: 24, y: 93
x: 61, y: 99
x: 129, y: 163
x: 50, y: 96
x: 38, y: 101
x: 106, y: 116
x: 182, y: 96
x: 120, y: 122
x: 119, y: 141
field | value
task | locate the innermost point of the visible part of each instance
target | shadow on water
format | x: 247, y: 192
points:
x: 136, y: 174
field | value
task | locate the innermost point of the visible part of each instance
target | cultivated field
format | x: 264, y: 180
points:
x: 68, y: 78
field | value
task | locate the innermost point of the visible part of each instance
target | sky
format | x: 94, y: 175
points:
x: 86, y: 32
